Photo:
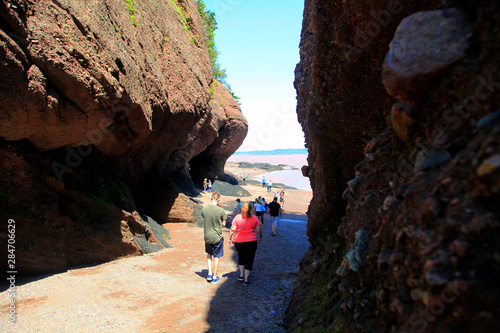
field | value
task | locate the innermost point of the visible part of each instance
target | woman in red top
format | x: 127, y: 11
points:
x: 246, y: 230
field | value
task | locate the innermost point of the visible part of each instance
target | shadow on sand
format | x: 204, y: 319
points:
x: 260, y: 306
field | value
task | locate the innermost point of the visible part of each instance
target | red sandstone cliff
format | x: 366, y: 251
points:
x: 403, y: 222
x: 97, y: 100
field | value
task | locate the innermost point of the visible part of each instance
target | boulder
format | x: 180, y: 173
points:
x: 228, y: 189
x: 426, y: 45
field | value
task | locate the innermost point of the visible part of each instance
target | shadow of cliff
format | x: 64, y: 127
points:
x: 260, y: 306
x: 226, y: 300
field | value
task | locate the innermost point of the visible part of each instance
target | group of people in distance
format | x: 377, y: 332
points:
x: 207, y: 185
x: 245, y: 233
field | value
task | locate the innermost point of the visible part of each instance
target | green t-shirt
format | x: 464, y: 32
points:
x: 213, y: 216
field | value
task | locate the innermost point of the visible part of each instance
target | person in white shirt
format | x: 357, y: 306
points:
x: 269, y: 185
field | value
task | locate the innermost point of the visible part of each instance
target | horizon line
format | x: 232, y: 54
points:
x: 295, y: 150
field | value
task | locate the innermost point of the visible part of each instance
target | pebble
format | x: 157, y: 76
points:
x: 402, y: 119
x: 435, y: 279
x: 459, y: 247
x: 353, y: 184
x: 431, y: 206
x: 433, y: 159
x: 389, y: 202
x: 342, y: 270
x: 370, y: 157
x: 416, y: 294
x: 383, y: 260
x: 489, y: 120
x: 489, y: 166
x: 357, y: 255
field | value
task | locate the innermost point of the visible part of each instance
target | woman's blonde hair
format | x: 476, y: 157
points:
x: 246, y: 209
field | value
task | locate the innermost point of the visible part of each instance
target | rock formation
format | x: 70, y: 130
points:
x: 403, y: 220
x: 104, y: 104
x: 210, y: 162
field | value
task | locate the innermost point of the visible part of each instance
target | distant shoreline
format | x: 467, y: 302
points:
x: 283, y: 169
x: 274, y: 152
x: 292, y: 160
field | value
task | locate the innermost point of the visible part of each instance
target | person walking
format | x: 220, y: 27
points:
x: 263, y: 181
x: 282, y: 197
x: 214, y: 218
x: 245, y: 231
x: 205, y: 185
x: 209, y: 185
x: 238, y: 206
x: 258, y: 209
x: 269, y: 186
x: 264, y: 210
x: 274, y: 209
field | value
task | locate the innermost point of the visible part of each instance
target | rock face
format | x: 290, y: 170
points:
x: 341, y: 102
x: 98, y: 100
x: 412, y: 248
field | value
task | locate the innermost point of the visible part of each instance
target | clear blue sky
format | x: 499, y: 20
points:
x: 258, y: 44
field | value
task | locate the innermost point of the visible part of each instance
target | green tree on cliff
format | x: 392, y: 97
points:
x: 210, y: 25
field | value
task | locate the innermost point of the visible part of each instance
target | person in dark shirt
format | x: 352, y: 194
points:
x: 274, y: 209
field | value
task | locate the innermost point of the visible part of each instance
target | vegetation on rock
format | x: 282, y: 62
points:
x: 210, y: 24
x: 131, y: 10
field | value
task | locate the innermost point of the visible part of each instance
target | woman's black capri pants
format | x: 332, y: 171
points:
x: 246, y: 253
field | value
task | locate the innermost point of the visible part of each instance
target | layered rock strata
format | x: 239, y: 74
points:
x: 412, y: 248
x: 98, y: 101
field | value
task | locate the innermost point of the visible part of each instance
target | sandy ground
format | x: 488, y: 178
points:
x: 167, y: 291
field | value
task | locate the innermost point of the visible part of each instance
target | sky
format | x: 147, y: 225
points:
x: 258, y: 44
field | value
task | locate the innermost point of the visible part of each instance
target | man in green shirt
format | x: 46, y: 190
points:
x: 214, y: 218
